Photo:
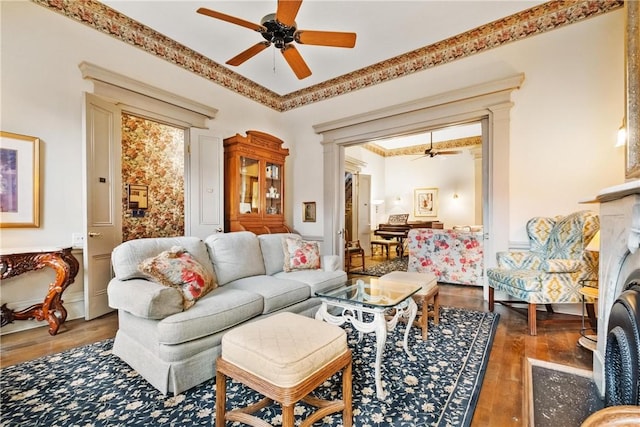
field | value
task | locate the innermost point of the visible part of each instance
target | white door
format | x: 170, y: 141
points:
x: 364, y: 212
x: 102, y: 200
x: 205, y: 189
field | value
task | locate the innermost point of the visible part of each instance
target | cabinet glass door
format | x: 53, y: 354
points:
x: 273, y: 188
x: 249, y: 190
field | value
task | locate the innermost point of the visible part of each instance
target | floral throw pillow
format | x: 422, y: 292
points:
x: 300, y: 254
x: 178, y: 269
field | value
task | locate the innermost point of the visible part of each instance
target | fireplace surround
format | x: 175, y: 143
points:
x: 622, y: 357
x: 619, y: 270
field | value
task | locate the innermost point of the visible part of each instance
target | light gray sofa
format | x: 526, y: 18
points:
x: 175, y: 350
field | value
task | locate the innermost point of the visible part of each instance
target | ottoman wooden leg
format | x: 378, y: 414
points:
x: 288, y: 419
x: 436, y: 309
x: 347, y: 396
x: 221, y: 399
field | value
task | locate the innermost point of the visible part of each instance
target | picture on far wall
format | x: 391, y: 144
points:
x: 425, y: 202
x: 19, y: 180
x: 308, y: 211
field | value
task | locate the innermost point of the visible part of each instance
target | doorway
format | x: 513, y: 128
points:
x: 153, y: 156
x: 489, y: 102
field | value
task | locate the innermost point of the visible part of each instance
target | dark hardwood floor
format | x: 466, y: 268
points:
x: 502, y: 398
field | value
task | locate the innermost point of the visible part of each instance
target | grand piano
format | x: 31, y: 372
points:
x: 398, y: 228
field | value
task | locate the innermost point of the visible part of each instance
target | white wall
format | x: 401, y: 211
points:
x: 562, y: 130
x: 563, y: 122
x: 398, y: 176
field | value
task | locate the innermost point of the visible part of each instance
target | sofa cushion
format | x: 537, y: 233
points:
x: 272, y: 253
x: 317, y: 280
x: 178, y: 269
x: 126, y: 257
x: 235, y: 255
x: 300, y: 254
x: 220, y: 309
x: 276, y: 293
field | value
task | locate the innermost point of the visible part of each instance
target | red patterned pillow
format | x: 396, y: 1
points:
x: 178, y: 269
x: 300, y: 254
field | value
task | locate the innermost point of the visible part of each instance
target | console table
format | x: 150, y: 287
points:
x: 14, y: 262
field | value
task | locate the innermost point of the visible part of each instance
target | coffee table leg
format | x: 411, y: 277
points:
x: 412, y: 310
x: 381, y: 339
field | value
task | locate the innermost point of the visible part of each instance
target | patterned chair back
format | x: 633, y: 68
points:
x: 562, y: 237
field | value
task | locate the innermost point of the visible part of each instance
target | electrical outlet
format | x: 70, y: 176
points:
x: 77, y: 240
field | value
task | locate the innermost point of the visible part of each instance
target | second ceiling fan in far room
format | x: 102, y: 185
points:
x: 280, y: 29
x: 430, y: 152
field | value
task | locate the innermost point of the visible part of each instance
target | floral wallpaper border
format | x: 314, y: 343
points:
x: 536, y: 20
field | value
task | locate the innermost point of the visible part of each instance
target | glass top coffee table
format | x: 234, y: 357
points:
x: 376, y: 297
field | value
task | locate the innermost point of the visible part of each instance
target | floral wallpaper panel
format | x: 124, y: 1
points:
x: 153, y: 155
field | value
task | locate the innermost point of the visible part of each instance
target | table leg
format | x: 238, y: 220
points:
x: 381, y: 339
x: 411, y: 315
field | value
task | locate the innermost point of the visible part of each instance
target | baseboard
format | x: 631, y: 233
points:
x: 73, y: 302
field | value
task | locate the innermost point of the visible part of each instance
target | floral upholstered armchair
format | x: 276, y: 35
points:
x: 554, y: 269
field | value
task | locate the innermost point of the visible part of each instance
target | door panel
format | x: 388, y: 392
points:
x: 364, y: 212
x: 205, y: 184
x: 103, y: 196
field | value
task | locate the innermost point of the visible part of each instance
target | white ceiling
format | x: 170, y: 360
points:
x: 384, y: 29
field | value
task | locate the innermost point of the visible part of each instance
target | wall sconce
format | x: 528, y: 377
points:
x: 455, y: 196
x: 622, y: 135
x: 397, y: 200
x: 377, y: 204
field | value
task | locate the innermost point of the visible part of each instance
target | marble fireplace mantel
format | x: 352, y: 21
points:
x: 619, y: 257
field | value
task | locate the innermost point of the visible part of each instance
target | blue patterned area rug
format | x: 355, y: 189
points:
x: 88, y: 386
x: 396, y: 264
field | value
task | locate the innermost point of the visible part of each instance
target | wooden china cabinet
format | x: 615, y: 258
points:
x: 254, y: 183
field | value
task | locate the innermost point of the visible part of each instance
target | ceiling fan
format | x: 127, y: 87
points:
x: 430, y: 152
x: 281, y: 30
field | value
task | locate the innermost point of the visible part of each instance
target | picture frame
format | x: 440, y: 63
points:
x: 138, y: 196
x: 19, y: 181
x: 632, y: 92
x: 425, y: 202
x: 308, y: 211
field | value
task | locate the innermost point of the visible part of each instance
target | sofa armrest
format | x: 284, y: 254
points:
x: 331, y: 263
x: 144, y: 298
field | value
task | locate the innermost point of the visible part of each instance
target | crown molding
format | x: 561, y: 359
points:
x: 536, y: 20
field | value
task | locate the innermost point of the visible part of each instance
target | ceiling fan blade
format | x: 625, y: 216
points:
x: 247, y: 54
x: 295, y: 61
x: 287, y: 11
x: 232, y: 19
x: 449, y: 152
x: 326, y: 38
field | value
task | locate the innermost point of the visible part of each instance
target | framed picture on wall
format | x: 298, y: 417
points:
x: 425, y: 202
x: 19, y: 181
x: 309, y: 211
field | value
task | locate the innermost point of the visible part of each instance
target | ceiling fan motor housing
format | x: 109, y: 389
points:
x: 277, y: 33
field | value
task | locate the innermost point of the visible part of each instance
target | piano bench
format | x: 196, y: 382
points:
x: 384, y: 244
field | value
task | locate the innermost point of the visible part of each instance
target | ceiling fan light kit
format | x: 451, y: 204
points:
x: 280, y: 29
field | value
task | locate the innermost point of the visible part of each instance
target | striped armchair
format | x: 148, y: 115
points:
x: 554, y: 269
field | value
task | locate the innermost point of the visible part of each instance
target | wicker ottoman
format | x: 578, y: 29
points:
x: 284, y: 357
x: 428, y: 294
